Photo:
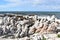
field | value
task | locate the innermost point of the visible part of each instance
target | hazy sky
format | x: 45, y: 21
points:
x: 29, y: 5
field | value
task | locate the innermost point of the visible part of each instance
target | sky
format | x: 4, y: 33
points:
x: 29, y: 5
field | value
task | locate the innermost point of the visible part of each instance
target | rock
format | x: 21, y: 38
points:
x: 26, y: 38
x: 17, y: 35
x: 35, y: 37
x: 19, y: 28
x: 32, y: 30
x: 27, y: 27
x: 24, y: 31
x: 38, y: 30
x: 1, y: 31
x: 1, y: 20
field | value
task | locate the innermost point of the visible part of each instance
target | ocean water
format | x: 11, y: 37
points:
x: 57, y: 14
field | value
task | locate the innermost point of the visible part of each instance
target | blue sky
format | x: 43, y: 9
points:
x: 29, y: 5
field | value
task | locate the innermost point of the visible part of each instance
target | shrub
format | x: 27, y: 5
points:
x: 44, y: 38
x: 58, y: 35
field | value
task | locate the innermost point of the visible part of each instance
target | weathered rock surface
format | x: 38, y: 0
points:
x: 30, y: 28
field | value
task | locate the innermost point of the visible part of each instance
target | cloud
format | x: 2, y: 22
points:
x: 38, y: 1
x: 11, y: 3
x: 12, y: 0
x: 33, y: 4
x: 14, y: 3
x: 46, y: 2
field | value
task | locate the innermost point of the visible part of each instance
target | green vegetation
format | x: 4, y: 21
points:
x: 44, y: 38
x: 58, y: 35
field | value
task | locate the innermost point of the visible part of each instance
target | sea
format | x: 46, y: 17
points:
x: 41, y: 13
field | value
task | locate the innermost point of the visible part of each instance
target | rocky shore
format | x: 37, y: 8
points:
x: 29, y: 27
